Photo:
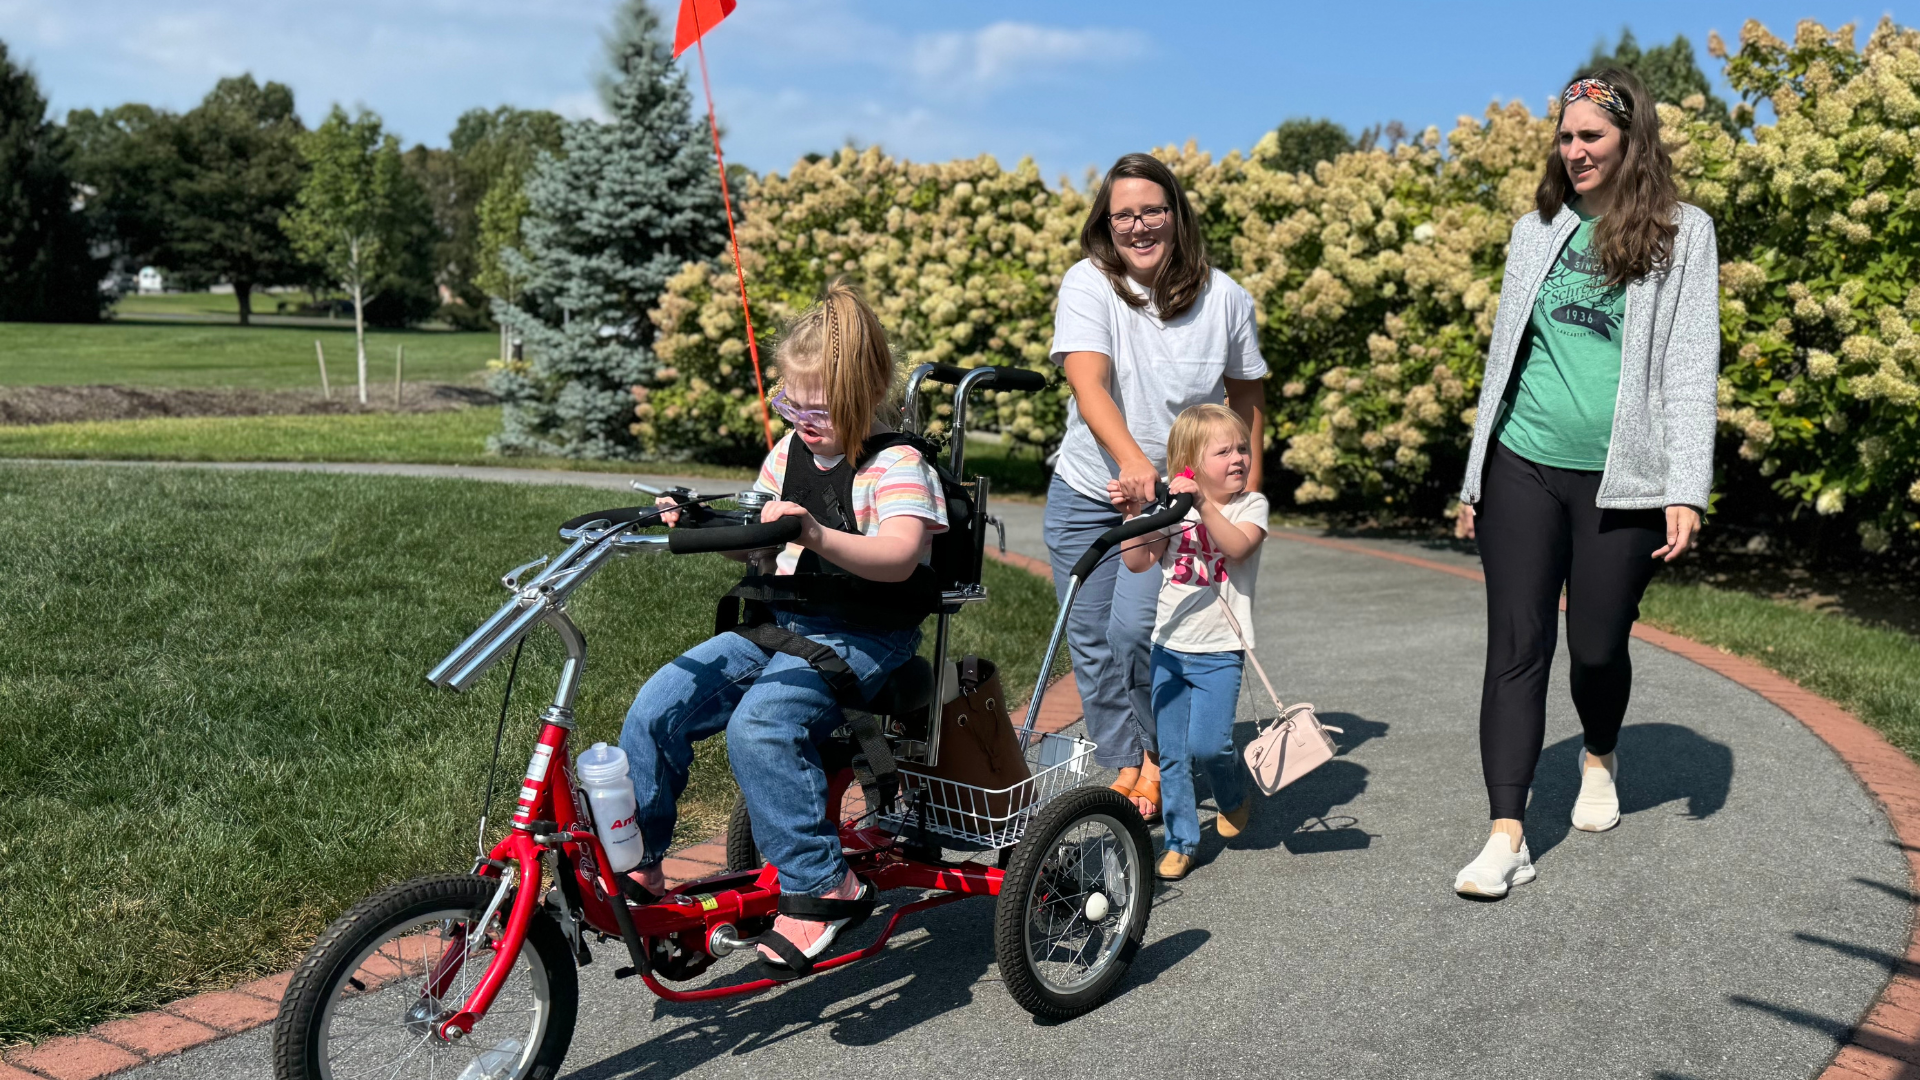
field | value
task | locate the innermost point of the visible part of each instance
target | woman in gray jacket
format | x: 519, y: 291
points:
x: 1592, y: 448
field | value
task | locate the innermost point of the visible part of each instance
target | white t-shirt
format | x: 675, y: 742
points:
x: 1158, y: 368
x: 1195, y: 573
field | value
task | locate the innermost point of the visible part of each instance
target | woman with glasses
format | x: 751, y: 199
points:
x: 1593, y: 445
x: 1145, y: 328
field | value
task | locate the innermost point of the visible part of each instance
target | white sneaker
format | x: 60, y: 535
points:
x: 1498, y: 868
x: 1598, y: 807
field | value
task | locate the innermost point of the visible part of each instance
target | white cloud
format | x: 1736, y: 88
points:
x: 583, y: 105
x: 1006, y: 53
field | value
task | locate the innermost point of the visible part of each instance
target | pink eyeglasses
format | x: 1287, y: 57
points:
x: 818, y: 420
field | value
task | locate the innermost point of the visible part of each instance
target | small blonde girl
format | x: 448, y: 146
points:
x: 1197, y: 652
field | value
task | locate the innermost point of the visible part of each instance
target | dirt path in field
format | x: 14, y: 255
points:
x: 67, y: 404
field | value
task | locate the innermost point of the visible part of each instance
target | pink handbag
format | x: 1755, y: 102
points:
x: 1294, y: 744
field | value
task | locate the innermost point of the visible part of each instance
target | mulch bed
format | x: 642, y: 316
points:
x: 67, y: 404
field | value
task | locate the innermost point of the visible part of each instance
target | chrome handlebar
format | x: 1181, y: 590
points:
x: 543, y: 597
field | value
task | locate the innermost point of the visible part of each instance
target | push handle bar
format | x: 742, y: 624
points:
x: 998, y: 378
x: 734, y: 537
x: 1174, y: 514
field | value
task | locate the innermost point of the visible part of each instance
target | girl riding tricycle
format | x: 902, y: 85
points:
x: 816, y: 679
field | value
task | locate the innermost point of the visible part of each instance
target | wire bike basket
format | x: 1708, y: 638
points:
x: 988, y: 817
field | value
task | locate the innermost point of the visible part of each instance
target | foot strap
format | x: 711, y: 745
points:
x: 824, y: 909
x: 636, y: 893
x: 796, y: 964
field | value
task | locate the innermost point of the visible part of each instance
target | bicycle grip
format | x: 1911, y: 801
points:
x: 1174, y: 514
x: 1011, y: 378
x: 1003, y: 378
x: 734, y: 537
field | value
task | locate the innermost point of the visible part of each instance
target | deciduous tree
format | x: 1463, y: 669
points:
x: 351, y: 213
x: 240, y: 172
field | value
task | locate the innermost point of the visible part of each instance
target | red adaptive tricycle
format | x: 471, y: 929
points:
x: 471, y: 976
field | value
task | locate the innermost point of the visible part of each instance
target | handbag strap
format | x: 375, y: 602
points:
x: 1247, y: 650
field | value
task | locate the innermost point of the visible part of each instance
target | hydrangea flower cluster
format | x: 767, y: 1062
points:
x: 960, y: 261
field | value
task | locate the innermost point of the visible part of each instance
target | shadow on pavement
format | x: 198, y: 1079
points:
x: 1659, y: 764
x: 862, y: 1004
x: 1877, y: 1039
x: 1297, y: 817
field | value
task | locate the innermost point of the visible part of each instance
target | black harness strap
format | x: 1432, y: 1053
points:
x: 874, y: 766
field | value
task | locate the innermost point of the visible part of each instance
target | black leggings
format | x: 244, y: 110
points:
x: 1538, y: 530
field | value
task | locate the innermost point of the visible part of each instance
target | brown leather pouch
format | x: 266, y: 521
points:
x: 978, y: 748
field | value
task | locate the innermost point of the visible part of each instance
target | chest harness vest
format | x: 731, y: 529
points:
x: 819, y: 588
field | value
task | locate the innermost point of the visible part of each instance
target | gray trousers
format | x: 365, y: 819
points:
x: 1110, y: 631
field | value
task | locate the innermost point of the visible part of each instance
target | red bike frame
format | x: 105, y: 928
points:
x: 694, y: 911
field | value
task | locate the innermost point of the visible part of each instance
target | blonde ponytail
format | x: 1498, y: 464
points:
x: 840, y: 342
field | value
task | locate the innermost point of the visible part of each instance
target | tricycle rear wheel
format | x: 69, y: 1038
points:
x: 359, y: 1004
x: 1074, y: 903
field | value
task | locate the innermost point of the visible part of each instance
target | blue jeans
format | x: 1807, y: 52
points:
x: 1110, y: 630
x: 773, y: 711
x: 1194, y: 698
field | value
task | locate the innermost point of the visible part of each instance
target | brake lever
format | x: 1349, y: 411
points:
x: 1000, y: 527
x: 511, y: 579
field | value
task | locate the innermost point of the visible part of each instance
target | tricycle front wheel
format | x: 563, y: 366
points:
x: 1074, y: 903
x: 367, y: 998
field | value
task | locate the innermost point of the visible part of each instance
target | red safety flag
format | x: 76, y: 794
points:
x: 696, y: 18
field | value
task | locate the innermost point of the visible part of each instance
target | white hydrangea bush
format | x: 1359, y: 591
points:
x: 1820, y: 376
x: 961, y: 261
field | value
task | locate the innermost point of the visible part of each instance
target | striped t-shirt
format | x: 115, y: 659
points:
x: 896, y: 482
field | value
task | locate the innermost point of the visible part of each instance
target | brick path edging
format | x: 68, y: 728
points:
x: 1885, y: 1044
x: 118, y: 1045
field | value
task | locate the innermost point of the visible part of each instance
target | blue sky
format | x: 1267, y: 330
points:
x: 1072, y: 84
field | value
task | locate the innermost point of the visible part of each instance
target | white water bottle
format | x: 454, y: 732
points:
x: 616, y: 815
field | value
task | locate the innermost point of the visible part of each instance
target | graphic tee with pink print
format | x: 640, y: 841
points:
x: 1196, y: 573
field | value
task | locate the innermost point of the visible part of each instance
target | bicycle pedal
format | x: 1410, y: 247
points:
x: 624, y: 973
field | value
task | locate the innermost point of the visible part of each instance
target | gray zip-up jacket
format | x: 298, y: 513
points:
x: 1661, y: 451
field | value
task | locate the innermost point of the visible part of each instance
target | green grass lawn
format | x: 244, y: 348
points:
x: 134, y: 305
x: 261, y: 357
x: 1874, y: 672
x: 452, y: 437
x: 214, y: 730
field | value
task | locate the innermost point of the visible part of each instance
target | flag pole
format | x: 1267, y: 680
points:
x: 733, y: 239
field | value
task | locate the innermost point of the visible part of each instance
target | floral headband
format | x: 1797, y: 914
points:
x: 1601, y: 94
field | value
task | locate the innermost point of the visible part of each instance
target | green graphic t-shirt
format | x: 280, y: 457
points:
x: 1559, y: 409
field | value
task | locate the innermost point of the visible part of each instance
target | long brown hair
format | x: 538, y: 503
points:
x: 1183, y: 275
x: 1635, y: 237
x: 840, y: 342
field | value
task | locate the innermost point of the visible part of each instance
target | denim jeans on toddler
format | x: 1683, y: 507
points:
x: 774, y: 711
x: 1195, y: 696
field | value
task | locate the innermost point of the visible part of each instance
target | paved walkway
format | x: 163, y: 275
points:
x: 1740, y: 920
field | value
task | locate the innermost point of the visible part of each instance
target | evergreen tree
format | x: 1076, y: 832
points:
x: 1299, y: 144
x: 48, y: 272
x: 609, y: 221
x: 1670, y: 72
